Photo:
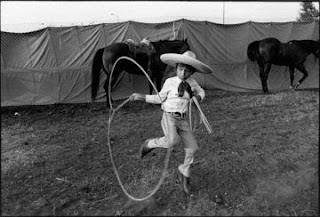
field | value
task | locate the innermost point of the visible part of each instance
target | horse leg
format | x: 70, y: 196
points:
x: 150, y: 72
x: 263, y: 78
x: 151, y: 87
x: 291, y: 70
x: 115, y: 77
x: 302, y: 69
x: 107, y: 69
x: 106, y: 89
x: 158, y: 80
x: 114, y: 81
x: 266, y: 74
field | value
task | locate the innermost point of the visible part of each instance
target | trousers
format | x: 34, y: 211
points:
x: 176, y: 129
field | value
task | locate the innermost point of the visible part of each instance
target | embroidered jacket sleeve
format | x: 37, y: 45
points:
x: 169, y: 95
x: 163, y: 94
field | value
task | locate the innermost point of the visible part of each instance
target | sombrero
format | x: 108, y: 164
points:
x: 188, y: 58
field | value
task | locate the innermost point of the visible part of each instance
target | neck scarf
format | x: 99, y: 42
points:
x: 184, y: 86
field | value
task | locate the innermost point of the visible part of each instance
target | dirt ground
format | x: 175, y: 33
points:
x: 261, y: 159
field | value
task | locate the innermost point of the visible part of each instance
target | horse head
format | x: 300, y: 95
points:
x: 316, y: 51
x: 171, y: 46
x: 311, y: 47
x: 185, y: 46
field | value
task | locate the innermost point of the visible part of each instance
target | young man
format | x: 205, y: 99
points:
x: 175, y: 95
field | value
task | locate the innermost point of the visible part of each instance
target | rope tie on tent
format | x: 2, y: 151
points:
x: 111, y: 115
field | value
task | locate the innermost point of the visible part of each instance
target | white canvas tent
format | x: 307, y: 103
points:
x: 53, y: 65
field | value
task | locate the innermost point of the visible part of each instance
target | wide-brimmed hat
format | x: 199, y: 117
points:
x: 188, y: 58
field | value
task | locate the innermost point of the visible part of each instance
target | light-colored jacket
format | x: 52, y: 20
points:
x: 169, y: 95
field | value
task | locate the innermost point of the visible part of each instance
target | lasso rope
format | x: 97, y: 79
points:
x: 112, y: 113
x: 193, y: 127
x: 203, y: 117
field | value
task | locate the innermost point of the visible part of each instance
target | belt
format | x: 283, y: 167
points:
x: 178, y: 114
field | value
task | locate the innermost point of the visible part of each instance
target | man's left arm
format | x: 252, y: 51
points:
x: 198, y: 92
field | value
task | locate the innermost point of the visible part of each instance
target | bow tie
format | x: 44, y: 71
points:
x: 184, y: 86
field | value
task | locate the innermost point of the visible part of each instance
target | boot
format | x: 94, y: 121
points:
x: 144, y: 150
x: 184, y: 182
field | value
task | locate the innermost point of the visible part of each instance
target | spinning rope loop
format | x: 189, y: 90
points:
x: 112, y: 113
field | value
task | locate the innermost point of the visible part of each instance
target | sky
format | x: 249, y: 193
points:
x: 16, y: 15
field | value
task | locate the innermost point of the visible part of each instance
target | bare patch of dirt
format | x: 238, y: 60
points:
x: 262, y: 159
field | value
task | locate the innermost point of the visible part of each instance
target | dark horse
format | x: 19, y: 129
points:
x: 147, y: 56
x: 293, y: 54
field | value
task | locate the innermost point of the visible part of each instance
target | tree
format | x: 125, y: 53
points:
x: 308, y: 12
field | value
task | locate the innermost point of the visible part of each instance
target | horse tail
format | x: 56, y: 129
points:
x: 253, y: 50
x: 95, y: 72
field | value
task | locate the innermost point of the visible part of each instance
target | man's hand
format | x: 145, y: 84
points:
x: 137, y: 96
x: 198, y: 97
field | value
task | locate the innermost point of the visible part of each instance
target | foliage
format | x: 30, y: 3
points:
x: 308, y: 12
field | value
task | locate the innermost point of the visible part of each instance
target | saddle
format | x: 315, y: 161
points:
x: 135, y: 48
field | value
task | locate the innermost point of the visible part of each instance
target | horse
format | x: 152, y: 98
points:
x: 293, y: 54
x: 147, y: 55
x: 158, y: 68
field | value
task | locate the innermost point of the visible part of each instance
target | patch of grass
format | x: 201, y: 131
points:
x: 261, y: 159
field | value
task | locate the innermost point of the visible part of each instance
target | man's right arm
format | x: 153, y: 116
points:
x: 163, y: 94
x: 137, y: 96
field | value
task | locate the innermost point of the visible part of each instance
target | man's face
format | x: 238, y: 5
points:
x: 184, y: 71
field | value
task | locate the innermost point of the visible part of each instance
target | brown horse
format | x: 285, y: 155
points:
x: 293, y: 54
x: 148, y: 56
